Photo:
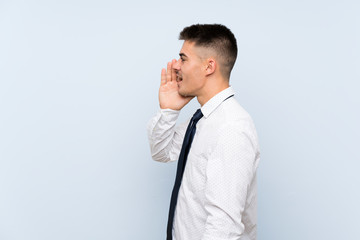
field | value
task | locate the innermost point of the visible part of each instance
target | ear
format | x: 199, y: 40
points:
x: 210, y: 66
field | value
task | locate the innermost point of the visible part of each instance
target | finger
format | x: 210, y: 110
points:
x: 173, y: 70
x: 163, y: 77
x: 168, y: 72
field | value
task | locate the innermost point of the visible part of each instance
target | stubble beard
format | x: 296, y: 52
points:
x: 185, y: 94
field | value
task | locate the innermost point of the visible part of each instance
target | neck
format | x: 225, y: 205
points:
x: 213, y: 87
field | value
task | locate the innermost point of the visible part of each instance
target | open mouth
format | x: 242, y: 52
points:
x: 178, y: 78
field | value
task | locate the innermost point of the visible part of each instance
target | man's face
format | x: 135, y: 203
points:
x: 190, y: 70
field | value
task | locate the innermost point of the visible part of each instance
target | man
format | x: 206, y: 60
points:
x: 214, y: 196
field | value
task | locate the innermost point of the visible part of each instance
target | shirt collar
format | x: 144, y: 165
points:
x: 215, y: 101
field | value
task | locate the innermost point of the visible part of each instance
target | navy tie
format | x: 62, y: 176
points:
x: 189, y: 135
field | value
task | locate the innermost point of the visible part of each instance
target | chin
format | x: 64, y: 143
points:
x: 185, y: 94
x: 182, y: 94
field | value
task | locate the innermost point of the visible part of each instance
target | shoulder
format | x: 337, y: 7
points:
x: 231, y: 114
x: 231, y: 119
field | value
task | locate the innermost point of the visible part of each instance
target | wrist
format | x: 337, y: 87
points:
x: 162, y: 107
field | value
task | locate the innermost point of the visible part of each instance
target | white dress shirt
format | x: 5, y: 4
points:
x: 217, y: 197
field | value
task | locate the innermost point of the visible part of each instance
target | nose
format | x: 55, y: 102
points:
x: 176, y: 64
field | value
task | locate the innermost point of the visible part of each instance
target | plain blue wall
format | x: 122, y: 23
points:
x: 79, y: 82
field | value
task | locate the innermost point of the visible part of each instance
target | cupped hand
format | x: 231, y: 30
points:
x: 169, y: 96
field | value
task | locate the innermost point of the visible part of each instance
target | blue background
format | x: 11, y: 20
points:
x: 79, y: 82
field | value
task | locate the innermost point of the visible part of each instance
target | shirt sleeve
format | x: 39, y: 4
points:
x: 165, y: 138
x: 230, y: 170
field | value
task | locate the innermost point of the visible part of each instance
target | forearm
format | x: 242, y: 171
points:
x: 164, y: 136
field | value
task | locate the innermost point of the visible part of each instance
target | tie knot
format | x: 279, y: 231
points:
x: 197, y: 116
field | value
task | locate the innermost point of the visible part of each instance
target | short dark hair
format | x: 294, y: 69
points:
x: 217, y: 37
